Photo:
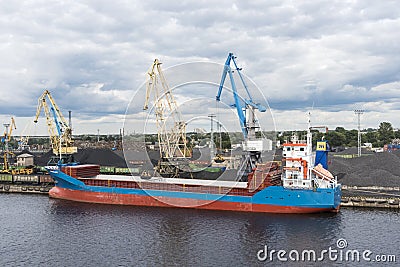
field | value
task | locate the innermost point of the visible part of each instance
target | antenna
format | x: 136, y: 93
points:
x: 309, y: 134
x: 359, y: 112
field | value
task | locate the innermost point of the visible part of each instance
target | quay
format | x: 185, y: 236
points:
x: 368, y: 202
x: 20, y: 188
x: 371, y: 197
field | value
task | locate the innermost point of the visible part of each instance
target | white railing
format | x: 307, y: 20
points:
x: 296, y: 183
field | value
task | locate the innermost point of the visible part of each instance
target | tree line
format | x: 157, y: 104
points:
x: 340, y: 137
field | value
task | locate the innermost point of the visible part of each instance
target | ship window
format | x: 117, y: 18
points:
x: 288, y: 149
x: 301, y: 148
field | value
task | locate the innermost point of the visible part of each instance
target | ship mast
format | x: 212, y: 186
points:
x: 309, y: 143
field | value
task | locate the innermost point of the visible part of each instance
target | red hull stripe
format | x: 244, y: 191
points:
x: 139, y: 200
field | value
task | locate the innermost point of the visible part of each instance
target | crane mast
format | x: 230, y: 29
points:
x: 171, y: 138
x: 245, y: 108
x: 59, y: 131
x: 6, y: 139
x: 7, y: 133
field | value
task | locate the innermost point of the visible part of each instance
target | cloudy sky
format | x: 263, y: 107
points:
x: 328, y: 56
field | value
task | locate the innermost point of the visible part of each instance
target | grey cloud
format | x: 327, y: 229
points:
x: 332, y: 53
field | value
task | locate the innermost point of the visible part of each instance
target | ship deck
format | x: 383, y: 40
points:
x: 162, y: 180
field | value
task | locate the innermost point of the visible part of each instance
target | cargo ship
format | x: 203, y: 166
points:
x: 301, y: 183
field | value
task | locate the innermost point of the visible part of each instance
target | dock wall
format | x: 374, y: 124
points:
x: 32, y: 189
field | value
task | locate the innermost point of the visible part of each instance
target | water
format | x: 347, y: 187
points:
x: 38, y: 231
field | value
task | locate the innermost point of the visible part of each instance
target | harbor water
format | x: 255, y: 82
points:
x: 39, y: 231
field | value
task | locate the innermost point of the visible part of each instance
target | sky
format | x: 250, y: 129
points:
x: 328, y: 57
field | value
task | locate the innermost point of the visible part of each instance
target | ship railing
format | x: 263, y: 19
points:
x: 322, y: 183
x: 324, y: 177
x: 296, y: 183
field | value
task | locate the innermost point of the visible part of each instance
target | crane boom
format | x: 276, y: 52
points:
x: 59, y: 131
x: 241, y: 104
x: 245, y: 108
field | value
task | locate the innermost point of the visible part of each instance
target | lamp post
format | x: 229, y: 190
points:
x: 212, y: 116
x: 359, y: 112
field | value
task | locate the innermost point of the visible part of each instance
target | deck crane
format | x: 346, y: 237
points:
x: 245, y: 108
x: 59, y: 131
x: 171, y: 138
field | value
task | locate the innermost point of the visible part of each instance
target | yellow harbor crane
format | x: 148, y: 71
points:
x: 59, y: 131
x: 8, y: 133
x: 171, y: 129
x: 6, y: 139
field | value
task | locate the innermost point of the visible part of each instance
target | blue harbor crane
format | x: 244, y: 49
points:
x: 245, y: 108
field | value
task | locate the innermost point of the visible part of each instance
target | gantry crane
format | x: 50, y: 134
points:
x: 171, y: 129
x: 245, y: 108
x: 59, y: 131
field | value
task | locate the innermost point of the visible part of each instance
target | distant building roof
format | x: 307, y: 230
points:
x: 25, y: 155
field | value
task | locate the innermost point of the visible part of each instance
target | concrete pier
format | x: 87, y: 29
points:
x: 20, y: 188
x: 368, y: 202
x: 371, y: 197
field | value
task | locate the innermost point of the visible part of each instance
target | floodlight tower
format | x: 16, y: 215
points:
x: 359, y: 112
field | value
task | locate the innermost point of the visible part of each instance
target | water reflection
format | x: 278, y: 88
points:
x: 42, y: 231
x: 287, y: 232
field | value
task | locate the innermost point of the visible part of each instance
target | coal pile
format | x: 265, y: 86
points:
x: 377, y: 169
x: 100, y: 156
x: 42, y: 160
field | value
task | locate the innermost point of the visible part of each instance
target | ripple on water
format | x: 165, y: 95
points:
x: 37, y: 231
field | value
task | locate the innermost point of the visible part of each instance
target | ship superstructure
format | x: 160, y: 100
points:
x: 301, y: 170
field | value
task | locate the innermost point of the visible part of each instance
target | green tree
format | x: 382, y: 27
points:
x: 397, y: 134
x: 351, y: 138
x: 385, y: 133
x: 371, y: 137
x: 336, y: 138
x: 317, y: 136
x: 340, y: 130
